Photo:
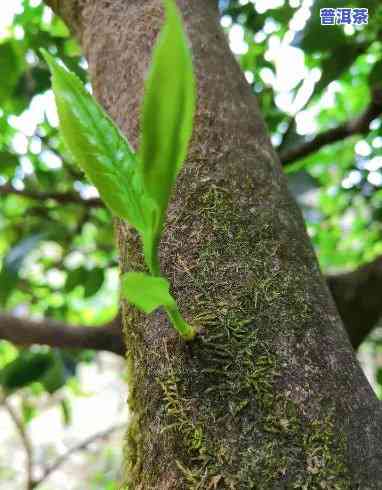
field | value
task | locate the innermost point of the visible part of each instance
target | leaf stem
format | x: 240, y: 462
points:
x: 186, y: 331
x: 150, y: 252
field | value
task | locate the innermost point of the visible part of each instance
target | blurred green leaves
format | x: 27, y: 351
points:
x: 50, y: 368
x: 375, y: 76
x: 11, y: 66
x: 91, y: 280
x: 27, y: 368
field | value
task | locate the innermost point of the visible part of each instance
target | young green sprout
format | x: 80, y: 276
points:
x: 137, y: 187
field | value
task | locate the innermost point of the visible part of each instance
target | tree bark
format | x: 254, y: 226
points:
x: 271, y: 397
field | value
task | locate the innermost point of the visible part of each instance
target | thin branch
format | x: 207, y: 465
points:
x: 291, y: 122
x: 61, y: 197
x: 358, y: 125
x: 358, y: 298
x: 22, y: 331
x: 79, y: 447
x: 25, y: 441
x: 33, y: 483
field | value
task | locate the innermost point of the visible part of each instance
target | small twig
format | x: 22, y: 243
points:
x: 291, y: 122
x: 25, y: 441
x: 61, y: 197
x: 358, y: 125
x: 80, y: 447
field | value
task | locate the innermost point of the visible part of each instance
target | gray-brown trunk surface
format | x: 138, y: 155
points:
x: 271, y: 397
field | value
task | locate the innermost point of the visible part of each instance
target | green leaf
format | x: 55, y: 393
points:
x: 93, y: 282
x: 27, y: 368
x: 168, y: 110
x: 11, y: 66
x: 76, y: 277
x: 55, y: 377
x: 8, y: 163
x: 97, y: 145
x: 375, y: 77
x: 147, y: 292
x: 58, y: 28
x: 8, y: 353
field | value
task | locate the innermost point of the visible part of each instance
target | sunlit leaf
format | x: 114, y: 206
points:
x: 168, y: 110
x: 96, y: 144
x: 146, y: 292
x: 27, y: 368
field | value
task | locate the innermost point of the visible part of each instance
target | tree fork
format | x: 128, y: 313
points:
x: 272, y: 395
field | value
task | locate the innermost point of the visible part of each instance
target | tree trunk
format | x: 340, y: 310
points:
x: 271, y: 397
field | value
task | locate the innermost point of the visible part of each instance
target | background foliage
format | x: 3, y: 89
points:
x: 57, y: 253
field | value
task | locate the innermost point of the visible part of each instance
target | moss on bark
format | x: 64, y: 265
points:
x: 225, y: 416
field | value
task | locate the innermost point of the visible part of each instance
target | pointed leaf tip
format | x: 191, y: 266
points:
x: 167, y: 115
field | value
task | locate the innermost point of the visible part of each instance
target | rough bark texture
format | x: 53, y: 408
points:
x: 272, y: 396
